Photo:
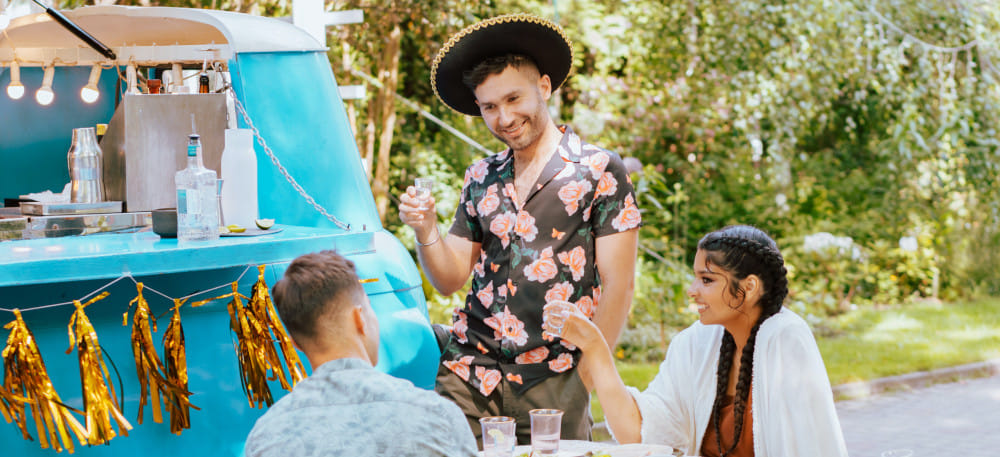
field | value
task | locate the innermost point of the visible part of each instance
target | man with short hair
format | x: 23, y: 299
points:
x: 551, y: 218
x: 346, y: 407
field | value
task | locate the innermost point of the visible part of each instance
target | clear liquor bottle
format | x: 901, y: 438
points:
x: 197, y: 198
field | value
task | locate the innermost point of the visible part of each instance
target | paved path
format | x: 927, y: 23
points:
x: 955, y: 419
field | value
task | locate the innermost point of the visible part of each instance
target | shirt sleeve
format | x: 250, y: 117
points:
x: 798, y: 416
x: 664, y: 419
x: 614, y: 208
x: 467, y: 224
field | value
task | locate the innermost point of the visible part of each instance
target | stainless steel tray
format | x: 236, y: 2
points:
x: 51, y: 209
x: 85, y: 224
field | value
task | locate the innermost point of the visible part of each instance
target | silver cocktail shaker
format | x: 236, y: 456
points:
x: 84, y: 160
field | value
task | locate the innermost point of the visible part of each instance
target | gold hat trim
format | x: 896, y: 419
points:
x: 516, y: 17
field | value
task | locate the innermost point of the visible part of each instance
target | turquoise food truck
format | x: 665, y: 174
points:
x: 264, y: 75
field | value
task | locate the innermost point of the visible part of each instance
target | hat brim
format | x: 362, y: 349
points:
x: 541, y: 40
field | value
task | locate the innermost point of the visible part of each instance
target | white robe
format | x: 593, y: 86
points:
x: 792, y: 404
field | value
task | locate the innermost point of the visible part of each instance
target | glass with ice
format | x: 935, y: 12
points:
x: 553, y: 317
x: 424, y: 186
x: 546, y: 426
x: 498, y: 436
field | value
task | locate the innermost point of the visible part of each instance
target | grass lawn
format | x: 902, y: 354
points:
x: 868, y: 344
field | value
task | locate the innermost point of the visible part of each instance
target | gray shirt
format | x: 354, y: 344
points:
x: 348, y: 408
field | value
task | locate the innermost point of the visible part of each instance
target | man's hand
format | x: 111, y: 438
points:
x: 419, y: 214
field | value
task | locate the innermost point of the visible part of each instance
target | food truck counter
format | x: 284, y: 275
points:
x: 106, y: 256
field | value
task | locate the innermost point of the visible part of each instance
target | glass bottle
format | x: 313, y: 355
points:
x: 197, y: 198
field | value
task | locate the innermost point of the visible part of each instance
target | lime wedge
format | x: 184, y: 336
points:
x: 264, y: 224
x: 497, y: 436
x: 234, y: 228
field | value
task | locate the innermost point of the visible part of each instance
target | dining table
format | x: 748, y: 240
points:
x: 579, y: 448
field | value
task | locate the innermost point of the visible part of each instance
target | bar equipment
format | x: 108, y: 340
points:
x: 85, y: 162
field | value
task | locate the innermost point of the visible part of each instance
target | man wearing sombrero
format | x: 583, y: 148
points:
x: 551, y: 218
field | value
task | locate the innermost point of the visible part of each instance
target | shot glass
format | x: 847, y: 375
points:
x: 553, y: 319
x: 546, y: 426
x: 424, y: 187
x: 498, y: 436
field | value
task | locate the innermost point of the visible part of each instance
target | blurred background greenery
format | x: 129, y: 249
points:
x: 862, y: 135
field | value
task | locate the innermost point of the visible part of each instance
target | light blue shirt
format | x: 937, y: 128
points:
x: 348, y: 408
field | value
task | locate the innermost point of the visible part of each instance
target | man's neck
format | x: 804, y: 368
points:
x: 541, y: 149
x: 317, y: 358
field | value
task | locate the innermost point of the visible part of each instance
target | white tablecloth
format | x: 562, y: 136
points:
x: 572, y: 448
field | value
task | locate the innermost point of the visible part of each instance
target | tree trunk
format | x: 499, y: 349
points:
x: 387, y: 103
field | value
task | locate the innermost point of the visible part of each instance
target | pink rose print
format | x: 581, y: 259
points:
x: 572, y: 192
x: 470, y: 208
x: 479, y: 267
x: 628, y: 218
x: 506, y: 326
x: 608, y: 185
x: 526, y: 226
x: 542, y: 269
x: 489, y: 202
x: 485, y: 295
x: 561, y: 363
x: 502, y: 225
x: 478, y: 171
x: 536, y: 355
x: 488, y: 380
x: 576, y: 260
x: 460, y: 326
x: 586, y: 306
x: 597, y: 163
x: 559, y: 291
x: 460, y: 366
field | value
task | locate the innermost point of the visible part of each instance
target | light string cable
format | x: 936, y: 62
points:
x: 145, y: 286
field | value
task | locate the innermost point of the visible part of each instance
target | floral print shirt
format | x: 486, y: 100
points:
x: 532, y: 253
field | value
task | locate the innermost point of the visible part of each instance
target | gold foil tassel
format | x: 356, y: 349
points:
x: 263, y: 308
x: 98, y: 392
x: 254, y: 348
x: 178, y: 402
x: 28, y: 383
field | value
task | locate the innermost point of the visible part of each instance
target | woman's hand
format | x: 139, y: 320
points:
x: 564, y: 320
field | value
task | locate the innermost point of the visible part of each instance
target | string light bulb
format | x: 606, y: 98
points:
x: 44, y: 95
x: 89, y: 93
x: 132, y: 79
x: 15, y: 89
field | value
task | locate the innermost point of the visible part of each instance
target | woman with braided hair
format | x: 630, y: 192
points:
x: 747, y: 379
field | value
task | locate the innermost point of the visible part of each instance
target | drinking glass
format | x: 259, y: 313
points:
x: 424, y: 187
x: 898, y: 453
x: 498, y: 436
x: 552, y: 317
x: 546, y: 425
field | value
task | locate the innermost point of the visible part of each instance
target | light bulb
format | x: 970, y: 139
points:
x: 131, y: 78
x: 15, y: 89
x: 44, y: 95
x: 89, y: 93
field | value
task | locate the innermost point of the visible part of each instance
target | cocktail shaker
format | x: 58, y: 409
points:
x: 84, y: 158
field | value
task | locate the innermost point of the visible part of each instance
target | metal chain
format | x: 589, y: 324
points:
x: 281, y: 169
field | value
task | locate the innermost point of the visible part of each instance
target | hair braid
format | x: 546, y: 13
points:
x: 742, y: 251
x: 722, y: 382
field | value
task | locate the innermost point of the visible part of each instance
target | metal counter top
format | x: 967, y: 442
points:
x: 107, y: 256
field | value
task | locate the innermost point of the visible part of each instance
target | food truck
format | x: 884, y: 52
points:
x: 263, y: 75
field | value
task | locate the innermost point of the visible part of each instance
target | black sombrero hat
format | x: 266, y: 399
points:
x: 540, y: 39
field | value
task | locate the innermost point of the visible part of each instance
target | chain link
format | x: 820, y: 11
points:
x: 281, y: 169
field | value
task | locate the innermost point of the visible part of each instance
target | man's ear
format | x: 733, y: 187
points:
x: 545, y: 86
x: 358, y: 317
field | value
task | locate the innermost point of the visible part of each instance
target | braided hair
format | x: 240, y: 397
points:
x: 741, y: 251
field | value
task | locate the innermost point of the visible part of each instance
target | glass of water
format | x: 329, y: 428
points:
x: 898, y: 453
x: 498, y: 436
x: 546, y: 427
x: 424, y: 187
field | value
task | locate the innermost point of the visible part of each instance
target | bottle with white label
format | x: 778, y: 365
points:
x: 197, y: 198
x: 239, y: 179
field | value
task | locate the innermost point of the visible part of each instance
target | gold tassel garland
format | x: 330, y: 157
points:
x: 178, y: 402
x: 28, y: 383
x: 98, y: 392
x: 263, y: 308
x: 254, y: 350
